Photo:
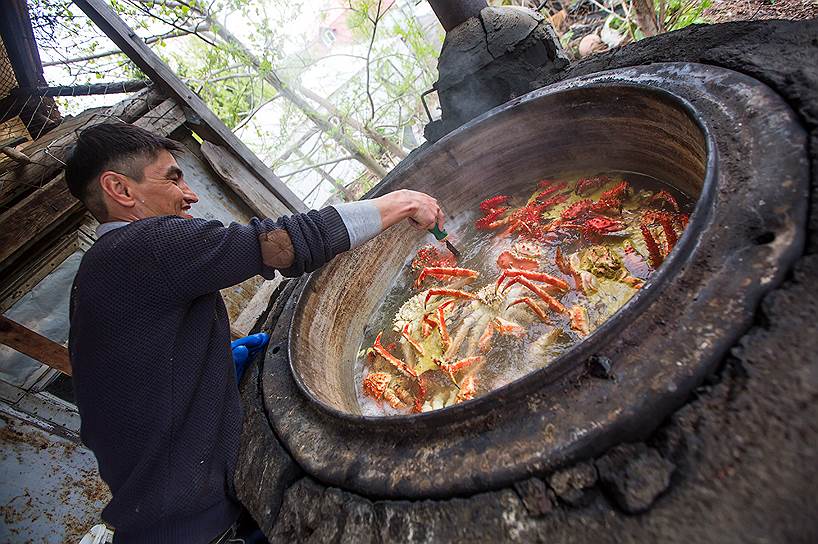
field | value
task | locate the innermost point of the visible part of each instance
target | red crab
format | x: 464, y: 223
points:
x: 595, y: 227
x: 430, y: 257
x: 586, y: 186
x: 577, y: 209
x: 493, y: 203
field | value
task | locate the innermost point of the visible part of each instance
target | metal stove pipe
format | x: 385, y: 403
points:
x: 451, y: 13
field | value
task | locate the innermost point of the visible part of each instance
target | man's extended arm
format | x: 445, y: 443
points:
x: 204, y: 256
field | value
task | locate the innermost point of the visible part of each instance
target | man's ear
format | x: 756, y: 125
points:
x: 117, y: 187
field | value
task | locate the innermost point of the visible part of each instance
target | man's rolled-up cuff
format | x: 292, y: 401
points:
x: 362, y: 220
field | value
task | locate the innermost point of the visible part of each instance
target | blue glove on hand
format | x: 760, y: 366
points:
x: 245, y: 348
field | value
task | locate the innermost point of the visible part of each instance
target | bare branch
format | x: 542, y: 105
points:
x: 250, y: 115
x: 103, y: 54
x: 342, y: 159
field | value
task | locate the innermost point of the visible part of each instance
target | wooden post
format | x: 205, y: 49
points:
x: 36, y: 346
x: 207, y: 124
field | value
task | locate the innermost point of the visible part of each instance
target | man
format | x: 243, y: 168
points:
x: 149, y: 340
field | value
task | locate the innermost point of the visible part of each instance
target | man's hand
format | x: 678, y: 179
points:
x: 421, y: 209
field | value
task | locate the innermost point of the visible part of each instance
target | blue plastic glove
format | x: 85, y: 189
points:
x: 245, y: 348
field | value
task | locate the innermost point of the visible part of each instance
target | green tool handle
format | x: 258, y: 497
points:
x: 438, y: 233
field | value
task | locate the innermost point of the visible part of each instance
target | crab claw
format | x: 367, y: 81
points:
x: 579, y: 320
x: 552, y: 303
x: 484, y: 343
x: 456, y: 293
x: 397, y: 363
x: 508, y: 260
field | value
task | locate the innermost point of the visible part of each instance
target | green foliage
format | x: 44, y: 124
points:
x: 682, y: 13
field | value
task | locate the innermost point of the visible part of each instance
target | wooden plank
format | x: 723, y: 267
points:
x: 163, y: 119
x: 248, y: 317
x: 207, y: 124
x: 242, y: 182
x: 31, y: 219
x: 36, y: 346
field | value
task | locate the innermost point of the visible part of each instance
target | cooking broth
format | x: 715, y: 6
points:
x: 574, y: 251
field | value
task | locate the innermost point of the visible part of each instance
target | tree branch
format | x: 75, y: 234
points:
x: 294, y: 172
x: 112, y: 52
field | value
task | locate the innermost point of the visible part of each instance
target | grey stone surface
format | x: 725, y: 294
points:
x: 571, y: 484
x: 537, y: 498
x: 507, y: 27
x: 264, y: 469
x: 634, y: 475
x: 313, y: 513
x: 491, y: 59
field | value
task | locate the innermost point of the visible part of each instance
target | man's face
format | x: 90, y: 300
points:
x: 163, y: 190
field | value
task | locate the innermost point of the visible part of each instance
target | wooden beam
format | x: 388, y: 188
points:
x: 36, y: 346
x: 242, y: 182
x: 31, y: 219
x: 21, y: 47
x: 207, y: 124
x: 248, y: 317
x: 163, y: 119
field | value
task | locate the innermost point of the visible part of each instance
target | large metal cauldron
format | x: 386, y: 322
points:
x: 712, y: 133
x: 585, y: 130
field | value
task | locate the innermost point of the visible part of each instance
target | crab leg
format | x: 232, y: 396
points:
x: 653, y: 247
x: 533, y: 305
x: 448, y: 293
x: 536, y: 276
x: 667, y: 197
x: 421, y: 396
x: 504, y: 326
x: 484, y: 343
x: 451, y: 368
x: 445, y: 271
x: 441, y: 325
x: 467, y: 389
x: 412, y: 341
x: 564, y: 265
x: 670, y: 234
x: 397, y: 363
x: 552, y: 303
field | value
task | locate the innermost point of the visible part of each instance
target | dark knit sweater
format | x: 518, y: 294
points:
x: 153, y: 375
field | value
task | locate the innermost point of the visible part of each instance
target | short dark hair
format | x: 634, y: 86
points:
x: 119, y: 147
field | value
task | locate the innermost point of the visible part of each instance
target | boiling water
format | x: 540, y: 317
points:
x: 609, y: 266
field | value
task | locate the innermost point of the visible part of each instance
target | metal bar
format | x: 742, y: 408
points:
x: 451, y: 13
x: 205, y: 122
x: 129, y: 86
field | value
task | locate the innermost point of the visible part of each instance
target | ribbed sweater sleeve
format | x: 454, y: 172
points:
x: 201, y: 256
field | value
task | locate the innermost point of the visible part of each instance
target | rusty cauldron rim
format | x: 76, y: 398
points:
x: 579, y: 353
